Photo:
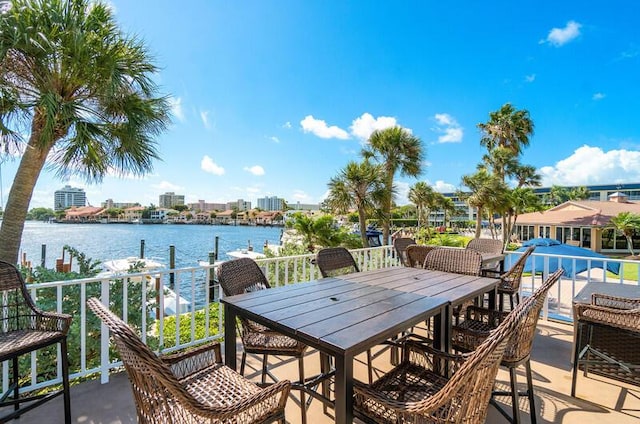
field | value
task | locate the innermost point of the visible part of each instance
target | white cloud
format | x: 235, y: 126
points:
x: 363, y: 126
x: 204, y: 115
x: 166, y: 185
x: 530, y: 78
x: 208, y: 165
x: 300, y: 196
x: 274, y: 139
x: 442, y: 187
x: 560, y: 36
x: 287, y: 125
x: 599, y: 96
x: 176, y: 108
x: 591, y: 165
x: 451, y: 131
x: 255, y: 170
x: 320, y: 128
x: 402, y: 192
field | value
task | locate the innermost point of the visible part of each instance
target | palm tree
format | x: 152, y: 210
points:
x: 508, y: 128
x: 579, y: 193
x: 557, y: 195
x: 447, y: 206
x: 627, y: 223
x: 483, y: 189
x: 396, y: 149
x: 422, y: 195
x: 84, y: 93
x: 359, y: 186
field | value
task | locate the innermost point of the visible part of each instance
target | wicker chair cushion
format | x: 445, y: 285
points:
x: 271, y: 342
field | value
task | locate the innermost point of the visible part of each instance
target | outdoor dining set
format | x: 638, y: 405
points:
x: 449, y: 318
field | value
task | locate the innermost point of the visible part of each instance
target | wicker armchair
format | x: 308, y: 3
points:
x: 479, y: 323
x: 416, y: 254
x: 485, y: 245
x: 400, y: 246
x: 190, y: 387
x: 510, y: 281
x: 25, y: 328
x: 418, y: 389
x: 459, y: 261
x: 334, y: 261
x: 607, y: 339
x: 243, y: 275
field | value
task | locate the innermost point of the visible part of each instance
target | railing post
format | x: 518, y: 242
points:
x: 104, y: 335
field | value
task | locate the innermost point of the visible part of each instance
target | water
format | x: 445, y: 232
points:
x: 115, y: 241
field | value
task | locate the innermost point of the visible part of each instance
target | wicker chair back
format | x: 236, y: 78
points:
x: 459, y: 261
x: 334, y: 261
x: 485, y: 245
x: 400, y: 245
x: 416, y: 254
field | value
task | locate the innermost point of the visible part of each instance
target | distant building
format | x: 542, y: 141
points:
x: 240, y: 204
x: 69, y: 196
x: 109, y: 204
x: 203, y: 206
x: 273, y: 203
x: 170, y: 199
x: 304, y: 206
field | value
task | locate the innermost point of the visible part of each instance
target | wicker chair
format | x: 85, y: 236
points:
x: 485, y: 245
x: 607, y: 339
x: 400, y: 246
x: 190, y: 387
x: 510, y: 281
x: 243, y: 275
x: 418, y: 389
x: 417, y: 253
x: 459, y: 261
x: 25, y: 328
x: 334, y: 261
x: 479, y: 323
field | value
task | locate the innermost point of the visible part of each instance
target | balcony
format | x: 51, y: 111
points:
x: 108, y: 399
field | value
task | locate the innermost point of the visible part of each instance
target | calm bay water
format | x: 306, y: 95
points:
x: 115, y: 241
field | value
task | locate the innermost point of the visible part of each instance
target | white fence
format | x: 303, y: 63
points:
x: 135, y: 298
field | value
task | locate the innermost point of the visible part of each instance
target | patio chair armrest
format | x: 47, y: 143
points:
x: 489, y: 316
x: 193, y: 360
x: 626, y: 319
x: 424, y: 355
x: 52, y: 321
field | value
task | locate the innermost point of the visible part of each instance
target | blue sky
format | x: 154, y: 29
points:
x: 273, y: 98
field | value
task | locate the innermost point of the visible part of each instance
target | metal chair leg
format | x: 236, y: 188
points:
x: 243, y: 362
x: 532, y: 402
x: 303, y: 402
x: 16, y: 384
x: 576, y: 358
x: 515, y: 399
x: 65, y: 382
x: 264, y: 369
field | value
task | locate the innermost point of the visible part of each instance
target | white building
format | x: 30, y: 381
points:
x: 69, y: 196
x: 170, y: 199
x: 273, y: 203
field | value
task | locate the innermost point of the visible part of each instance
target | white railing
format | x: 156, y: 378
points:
x: 135, y: 298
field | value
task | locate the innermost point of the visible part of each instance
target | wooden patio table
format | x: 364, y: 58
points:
x: 344, y: 316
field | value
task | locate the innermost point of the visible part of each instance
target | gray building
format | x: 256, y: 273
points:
x: 170, y: 199
x: 240, y: 205
x: 273, y: 203
x: 69, y: 196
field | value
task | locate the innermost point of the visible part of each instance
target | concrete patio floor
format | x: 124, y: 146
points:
x: 599, y: 400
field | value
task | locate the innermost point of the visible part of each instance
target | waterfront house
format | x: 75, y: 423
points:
x: 584, y: 223
x: 83, y: 214
x: 133, y: 213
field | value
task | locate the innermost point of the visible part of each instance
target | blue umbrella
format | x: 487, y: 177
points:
x: 554, y: 247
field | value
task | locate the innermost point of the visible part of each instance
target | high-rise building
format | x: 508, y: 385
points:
x: 170, y: 199
x: 203, y: 206
x: 240, y: 205
x: 69, y: 196
x: 273, y: 203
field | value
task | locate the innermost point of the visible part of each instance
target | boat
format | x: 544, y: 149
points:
x: 118, y: 267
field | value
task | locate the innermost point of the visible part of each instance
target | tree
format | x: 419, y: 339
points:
x: 396, y: 149
x: 357, y: 186
x: 579, y: 193
x: 41, y: 214
x: 447, y: 206
x: 422, y: 195
x: 557, y: 195
x: 82, y: 91
x: 483, y: 189
x: 627, y: 223
x: 507, y: 128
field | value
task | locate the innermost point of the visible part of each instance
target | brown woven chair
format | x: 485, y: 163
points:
x: 485, y: 245
x: 190, y: 387
x: 459, y: 261
x: 417, y: 253
x: 334, y: 261
x: 510, y: 281
x: 243, y: 275
x: 607, y: 339
x: 25, y: 328
x: 400, y: 246
x: 419, y: 391
x: 479, y: 323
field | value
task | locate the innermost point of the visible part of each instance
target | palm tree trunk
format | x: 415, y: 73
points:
x: 362, y: 218
x: 630, y: 245
x: 20, y: 194
x: 478, y: 222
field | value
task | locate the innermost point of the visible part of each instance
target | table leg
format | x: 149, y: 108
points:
x: 344, y: 389
x: 229, y: 337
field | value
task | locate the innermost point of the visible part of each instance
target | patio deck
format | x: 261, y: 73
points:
x: 599, y: 400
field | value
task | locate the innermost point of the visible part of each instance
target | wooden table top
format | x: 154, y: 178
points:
x: 613, y: 289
